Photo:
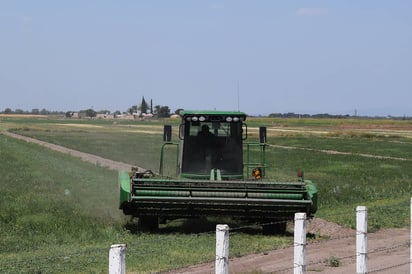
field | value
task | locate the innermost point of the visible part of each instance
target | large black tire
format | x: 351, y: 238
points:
x: 148, y: 223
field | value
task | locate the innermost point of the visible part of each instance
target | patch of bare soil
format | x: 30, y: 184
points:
x: 388, y: 250
x: 388, y: 253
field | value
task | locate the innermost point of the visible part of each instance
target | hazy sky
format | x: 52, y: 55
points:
x: 262, y: 56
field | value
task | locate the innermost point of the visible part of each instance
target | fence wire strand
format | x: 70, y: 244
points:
x: 51, y: 264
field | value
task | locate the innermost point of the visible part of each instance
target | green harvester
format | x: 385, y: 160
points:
x: 215, y: 177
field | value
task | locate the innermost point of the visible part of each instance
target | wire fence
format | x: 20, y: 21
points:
x: 334, y: 261
x: 91, y: 260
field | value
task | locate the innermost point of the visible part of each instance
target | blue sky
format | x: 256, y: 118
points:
x: 261, y: 57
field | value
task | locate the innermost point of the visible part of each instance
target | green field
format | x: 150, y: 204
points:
x: 59, y: 214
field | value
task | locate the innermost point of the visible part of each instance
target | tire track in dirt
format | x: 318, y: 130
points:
x: 87, y: 157
x: 335, y: 152
x: 389, y: 249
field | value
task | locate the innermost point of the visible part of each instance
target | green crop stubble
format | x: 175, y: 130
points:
x: 378, y: 145
x: 60, y: 215
x: 134, y: 144
x: 38, y: 217
x: 37, y: 179
x: 115, y: 143
x: 345, y: 181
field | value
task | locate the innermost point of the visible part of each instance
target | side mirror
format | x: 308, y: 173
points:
x: 181, y: 131
x: 262, y: 135
x: 244, y: 131
x: 167, y: 133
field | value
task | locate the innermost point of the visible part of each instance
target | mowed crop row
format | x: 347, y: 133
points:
x: 60, y: 210
x: 59, y: 214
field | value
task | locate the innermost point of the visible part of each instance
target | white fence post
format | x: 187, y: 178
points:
x: 222, y: 249
x: 361, y: 240
x: 117, y: 259
x: 299, y: 262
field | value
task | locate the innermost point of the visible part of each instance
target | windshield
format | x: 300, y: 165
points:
x: 212, y: 145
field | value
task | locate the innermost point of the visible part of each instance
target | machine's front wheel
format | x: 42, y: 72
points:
x: 148, y: 223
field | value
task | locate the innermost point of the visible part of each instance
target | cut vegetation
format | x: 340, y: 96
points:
x: 59, y: 214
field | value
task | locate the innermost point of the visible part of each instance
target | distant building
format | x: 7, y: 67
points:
x: 104, y: 116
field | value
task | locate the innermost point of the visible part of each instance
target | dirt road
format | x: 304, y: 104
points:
x: 84, y: 156
x: 388, y: 253
x: 388, y: 250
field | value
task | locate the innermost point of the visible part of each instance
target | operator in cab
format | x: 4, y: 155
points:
x: 206, y: 141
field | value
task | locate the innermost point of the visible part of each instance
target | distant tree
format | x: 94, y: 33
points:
x: 104, y: 111
x: 117, y: 113
x: 44, y: 111
x: 68, y: 114
x: 164, y: 111
x: 156, y: 110
x: 90, y: 113
x: 18, y: 111
x: 151, y: 106
x: 35, y: 111
x: 177, y: 111
x: 143, y: 106
x: 8, y: 111
x: 133, y: 109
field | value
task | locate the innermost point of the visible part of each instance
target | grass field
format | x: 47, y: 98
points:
x: 59, y: 214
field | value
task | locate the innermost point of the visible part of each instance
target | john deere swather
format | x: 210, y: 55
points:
x: 215, y: 177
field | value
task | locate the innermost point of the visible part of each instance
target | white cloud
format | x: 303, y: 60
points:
x: 312, y: 11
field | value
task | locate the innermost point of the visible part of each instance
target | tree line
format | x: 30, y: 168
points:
x: 338, y: 116
x: 144, y: 109
x: 141, y: 110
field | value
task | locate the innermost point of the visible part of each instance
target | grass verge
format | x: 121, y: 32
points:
x: 59, y: 215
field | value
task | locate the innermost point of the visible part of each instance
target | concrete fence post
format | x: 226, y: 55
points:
x: 117, y: 259
x: 222, y: 249
x: 299, y: 244
x: 361, y: 240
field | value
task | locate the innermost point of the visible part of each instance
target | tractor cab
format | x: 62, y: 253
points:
x: 214, y: 179
x: 211, y: 141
